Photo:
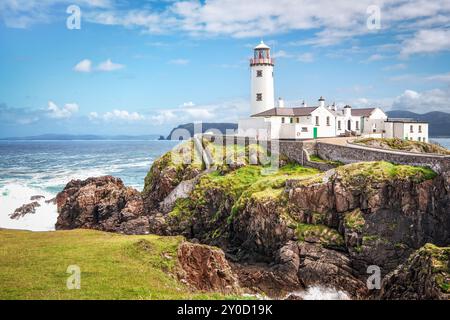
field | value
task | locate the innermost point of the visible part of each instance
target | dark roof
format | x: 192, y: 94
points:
x: 404, y: 120
x: 364, y: 112
x: 287, y: 112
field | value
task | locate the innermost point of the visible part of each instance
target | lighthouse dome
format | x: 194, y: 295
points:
x: 262, y: 45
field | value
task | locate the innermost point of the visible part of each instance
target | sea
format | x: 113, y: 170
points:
x: 43, y: 168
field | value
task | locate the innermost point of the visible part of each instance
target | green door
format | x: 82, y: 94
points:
x: 315, y: 132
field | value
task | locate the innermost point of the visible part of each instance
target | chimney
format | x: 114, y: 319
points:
x: 321, y: 102
x: 280, y: 103
x: 334, y: 107
x: 304, y: 105
x: 348, y: 111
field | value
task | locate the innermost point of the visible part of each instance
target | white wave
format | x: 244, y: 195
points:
x: 13, y: 196
x: 322, y: 293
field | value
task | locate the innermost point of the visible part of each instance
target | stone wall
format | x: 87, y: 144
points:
x: 350, y: 154
x: 298, y: 151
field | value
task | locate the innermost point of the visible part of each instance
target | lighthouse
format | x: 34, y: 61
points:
x: 262, y: 89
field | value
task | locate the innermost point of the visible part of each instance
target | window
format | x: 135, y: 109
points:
x: 298, y: 120
x: 291, y: 120
x: 411, y: 129
x: 419, y: 139
x: 304, y: 129
x: 420, y: 129
x: 317, y: 120
x: 328, y: 121
x: 339, y: 125
x: 259, y: 73
x: 357, y: 125
x: 259, y: 97
x: 282, y: 120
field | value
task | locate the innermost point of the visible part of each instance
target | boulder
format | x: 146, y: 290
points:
x: 29, y: 208
x: 102, y: 203
x: 205, y: 268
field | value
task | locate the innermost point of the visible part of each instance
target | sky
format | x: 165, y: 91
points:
x: 142, y: 67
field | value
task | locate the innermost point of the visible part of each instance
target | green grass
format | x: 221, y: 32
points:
x: 354, y: 220
x: 33, y: 266
x: 316, y: 158
x: 403, y: 145
x: 240, y: 186
x: 382, y: 171
x: 319, y: 233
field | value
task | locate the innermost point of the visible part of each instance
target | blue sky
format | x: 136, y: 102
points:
x: 144, y: 67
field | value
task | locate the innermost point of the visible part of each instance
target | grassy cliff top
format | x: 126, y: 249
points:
x: 33, y: 265
x: 403, y: 145
x: 381, y: 171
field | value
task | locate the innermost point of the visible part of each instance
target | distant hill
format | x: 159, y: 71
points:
x: 222, y: 127
x: 67, y: 137
x: 439, y: 122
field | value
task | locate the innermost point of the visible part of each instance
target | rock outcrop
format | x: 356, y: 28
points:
x: 283, y: 231
x: 102, y: 203
x: 205, y: 268
x: 29, y: 208
x: 424, y: 276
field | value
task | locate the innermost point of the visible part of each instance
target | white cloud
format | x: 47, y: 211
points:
x: 437, y: 99
x: 229, y: 111
x: 24, y: 13
x: 281, y: 54
x: 429, y: 100
x: 332, y: 21
x: 116, y: 115
x: 108, y: 65
x: 306, y: 57
x: 65, y: 112
x: 122, y: 115
x: 444, y: 77
x: 83, y: 66
x: 375, y: 57
x: 398, y: 66
x: 179, y: 61
x: 427, y: 41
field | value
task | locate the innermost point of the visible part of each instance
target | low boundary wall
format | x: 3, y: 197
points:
x: 352, y: 153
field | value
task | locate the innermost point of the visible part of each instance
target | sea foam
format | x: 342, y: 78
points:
x: 13, y: 196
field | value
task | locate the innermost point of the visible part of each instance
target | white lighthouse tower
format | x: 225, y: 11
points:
x: 262, y: 89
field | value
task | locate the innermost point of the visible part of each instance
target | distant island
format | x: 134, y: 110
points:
x: 68, y: 137
x: 222, y: 127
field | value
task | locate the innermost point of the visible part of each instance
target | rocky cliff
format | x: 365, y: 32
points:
x: 281, y: 230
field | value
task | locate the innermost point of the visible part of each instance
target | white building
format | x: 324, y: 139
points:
x: 262, y: 88
x: 407, y: 129
x: 279, y: 122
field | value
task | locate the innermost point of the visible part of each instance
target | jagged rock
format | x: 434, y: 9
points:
x: 29, y: 208
x: 52, y: 201
x: 205, y: 268
x: 168, y: 172
x: 37, y: 197
x: 102, y: 203
x: 293, y: 296
x: 425, y: 275
x: 320, y: 266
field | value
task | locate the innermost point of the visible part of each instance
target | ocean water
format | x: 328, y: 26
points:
x: 445, y: 142
x: 29, y: 168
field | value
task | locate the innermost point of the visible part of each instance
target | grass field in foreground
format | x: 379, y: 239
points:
x: 33, y: 265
